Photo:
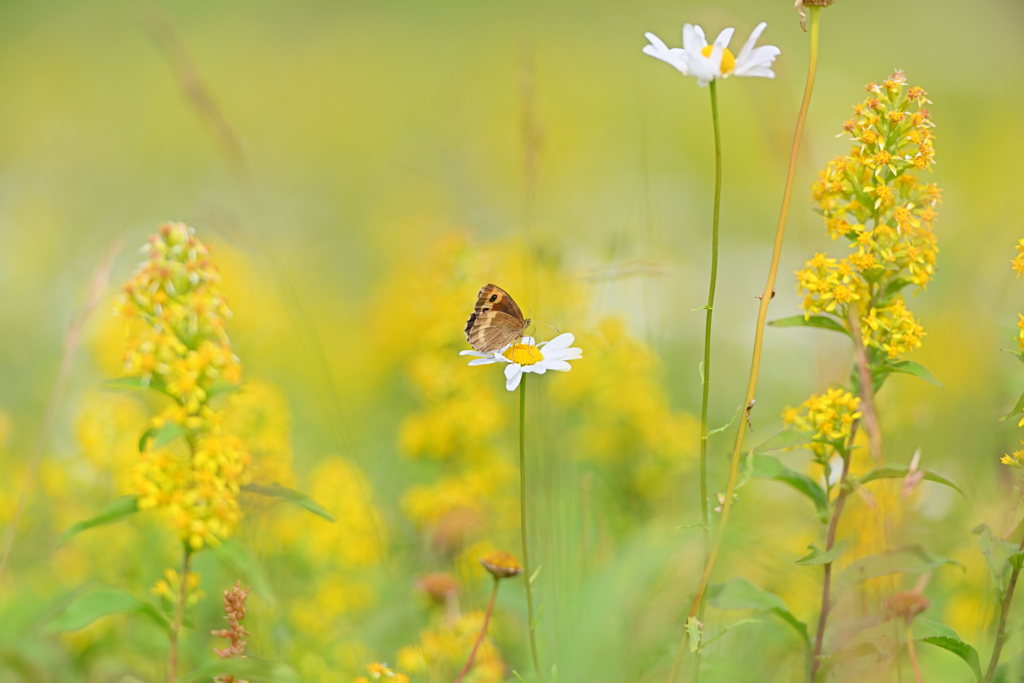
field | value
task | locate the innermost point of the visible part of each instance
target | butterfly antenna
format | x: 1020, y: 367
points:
x: 551, y: 326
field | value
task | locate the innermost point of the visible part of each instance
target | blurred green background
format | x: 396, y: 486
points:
x: 399, y: 155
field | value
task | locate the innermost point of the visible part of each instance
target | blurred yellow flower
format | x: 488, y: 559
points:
x: 830, y: 416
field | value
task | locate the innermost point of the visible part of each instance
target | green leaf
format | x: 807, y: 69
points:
x: 301, y: 499
x: 726, y: 426
x: 998, y: 554
x: 729, y: 628
x: 238, y: 559
x: 161, y: 436
x: 907, y: 367
x: 694, y: 629
x: 822, y: 322
x: 92, y: 604
x: 739, y: 593
x: 768, y: 467
x: 901, y: 471
x: 253, y: 670
x: 136, y: 383
x: 910, y: 559
x: 894, y: 288
x: 115, y: 512
x: 816, y: 556
x: 1017, y: 409
x: 940, y: 635
x: 789, y: 438
x: 222, y: 387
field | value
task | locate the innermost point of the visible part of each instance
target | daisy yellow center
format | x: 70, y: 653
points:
x: 728, y: 61
x: 524, y: 354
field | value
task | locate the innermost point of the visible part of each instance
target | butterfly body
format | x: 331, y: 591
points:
x: 496, y: 320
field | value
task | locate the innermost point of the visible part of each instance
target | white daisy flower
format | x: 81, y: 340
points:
x: 709, y: 63
x: 528, y: 356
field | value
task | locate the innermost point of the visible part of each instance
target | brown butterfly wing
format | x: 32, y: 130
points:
x: 495, y: 322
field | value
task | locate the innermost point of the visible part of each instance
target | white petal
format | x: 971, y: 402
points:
x: 749, y: 45
x: 724, y: 37
x: 562, y: 341
x: 483, y: 361
x: 470, y: 352
x: 529, y: 341
x: 693, y: 39
x: 759, y: 58
x: 513, y: 374
x: 538, y: 368
x: 557, y: 365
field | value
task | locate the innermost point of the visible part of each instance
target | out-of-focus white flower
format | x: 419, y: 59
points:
x: 708, y: 63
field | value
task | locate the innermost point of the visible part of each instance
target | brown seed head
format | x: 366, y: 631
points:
x: 501, y: 565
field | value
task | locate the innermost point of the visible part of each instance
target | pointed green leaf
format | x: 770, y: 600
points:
x: 998, y: 555
x: 940, y: 635
x: 726, y: 426
x: 894, y: 288
x: 1017, y: 409
x: 768, y: 467
x: 160, y: 436
x: 116, y: 511
x: 901, y: 471
x: 816, y: 556
x: 788, y: 438
x: 739, y: 593
x: 250, y: 571
x: 821, y: 322
x: 92, y: 604
x: 301, y: 499
x: 907, y: 367
x: 910, y: 559
x: 729, y: 628
x: 136, y: 383
x: 250, y: 669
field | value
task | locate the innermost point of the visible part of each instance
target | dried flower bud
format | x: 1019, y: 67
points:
x: 440, y: 586
x: 905, y: 604
x: 501, y: 565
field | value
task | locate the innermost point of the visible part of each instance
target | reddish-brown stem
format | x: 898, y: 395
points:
x: 826, y: 588
x: 483, y: 632
x: 913, y: 654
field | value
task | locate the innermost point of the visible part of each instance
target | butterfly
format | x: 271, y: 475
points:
x: 496, y: 321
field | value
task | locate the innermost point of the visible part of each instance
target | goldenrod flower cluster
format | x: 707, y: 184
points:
x: 873, y: 198
x: 169, y: 588
x: 830, y: 416
x: 177, y: 344
x: 444, y: 645
x: 379, y: 672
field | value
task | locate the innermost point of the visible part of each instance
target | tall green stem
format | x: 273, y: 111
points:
x: 1004, y: 612
x: 762, y: 316
x: 706, y: 374
x: 179, y: 618
x: 522, y: 520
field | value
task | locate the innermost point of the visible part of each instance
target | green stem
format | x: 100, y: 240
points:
x: 706, y: 375
x: 1004, y: 612
x: 179, y: 617
x: 762, y: 316
x: 522, y: 520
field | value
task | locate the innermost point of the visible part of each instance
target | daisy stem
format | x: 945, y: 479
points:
x: 522, y: 521
x: 706, y: 375
x: 762, y: 315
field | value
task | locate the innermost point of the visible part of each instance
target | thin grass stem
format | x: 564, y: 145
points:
x: 179, y: 617
x: 1004, y: 613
